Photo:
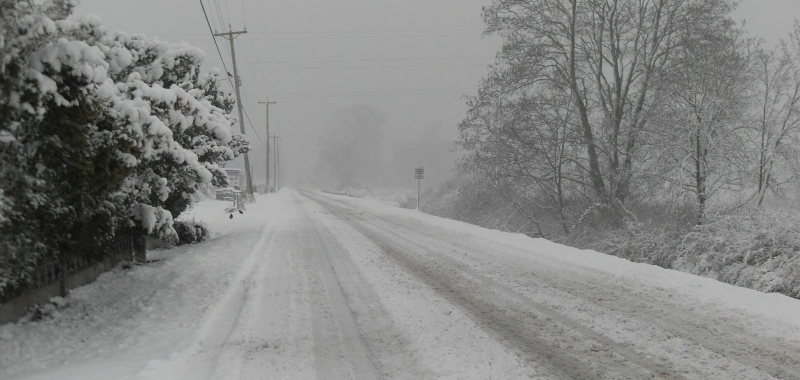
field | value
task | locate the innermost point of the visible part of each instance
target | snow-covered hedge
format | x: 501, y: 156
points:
x: 99, y: 132
x: 753, y: 248
x: 757, y: 248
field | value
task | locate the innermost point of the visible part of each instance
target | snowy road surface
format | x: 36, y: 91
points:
x: 307, y: 285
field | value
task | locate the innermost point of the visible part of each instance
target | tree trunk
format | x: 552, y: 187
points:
x: 700, y: 176
x: 594, y: 167
x: 62, y: 269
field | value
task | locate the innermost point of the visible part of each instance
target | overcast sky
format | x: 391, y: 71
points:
x: 414, y: 59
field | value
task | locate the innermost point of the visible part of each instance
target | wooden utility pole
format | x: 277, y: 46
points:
x: 267, y: 103
x: 275, y: 139
x: 230, y: 36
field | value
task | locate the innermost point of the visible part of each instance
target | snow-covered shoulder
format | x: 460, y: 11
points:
x: 770, y: 314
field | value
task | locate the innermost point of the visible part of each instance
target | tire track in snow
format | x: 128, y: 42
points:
x: 200, y: 359
x: 329, y: 359
x: 389, y: 349
x: 737, y: 350
x: 541, y: 335
x: 718, y: 335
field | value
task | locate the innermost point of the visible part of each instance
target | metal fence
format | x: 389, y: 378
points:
x: 49, y: 272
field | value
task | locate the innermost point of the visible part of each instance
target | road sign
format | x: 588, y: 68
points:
x: 419, y: 174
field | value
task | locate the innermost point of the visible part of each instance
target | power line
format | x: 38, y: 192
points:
x: 252, y: 127
x: 372, y: 31
x: 372, y: 67
x: 227, y: 11
x: 215, y: 43
x: 226, y: 69
x: 219, y: 16
x: 333, y: 37
x: 374, y: 60
x: 244, y: 17
x: 244, y: 55
x: 346, y: 32
x: 247, y: 61
x: 377, y: 92
x: 366, y: 95
x: 253, y: 49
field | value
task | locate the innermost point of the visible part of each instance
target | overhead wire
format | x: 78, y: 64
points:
x: 226, y: 71
x: 247, y: 61
x: 373, y: 60
x: 331, y: 32
x: 371, y: 67
x: 213, y: 21
x: 434, y: 91
x: 245, y: 89
x: 334, y: 37
x: 215, y: 43
x: 228, y: 11
x: 252, y: 127
x: 260, y: 69
x: 219, y: 15
x: 244, y: 17
x: 265, y: 83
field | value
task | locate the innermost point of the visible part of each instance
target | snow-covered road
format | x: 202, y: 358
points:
x: 307, y: 285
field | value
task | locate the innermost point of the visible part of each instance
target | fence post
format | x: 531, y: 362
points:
x: 62, y: 269
x: 140, y: 248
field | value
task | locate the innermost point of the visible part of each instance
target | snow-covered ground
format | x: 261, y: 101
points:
x: 395, y: 196
x: 307, y: 285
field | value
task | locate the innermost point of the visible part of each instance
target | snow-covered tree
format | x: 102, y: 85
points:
x: 186, y: 102
x: 776, y: 120
x: 61, y: 160
x: 99, y: 132
x: 702, y: 127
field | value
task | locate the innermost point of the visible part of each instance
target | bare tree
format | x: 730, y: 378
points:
x: 607, y: 55
x: 777, y: 114
x: 703, y: 126
x: 527, y: 148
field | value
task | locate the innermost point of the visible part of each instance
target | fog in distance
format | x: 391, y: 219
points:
x: 397, y: 71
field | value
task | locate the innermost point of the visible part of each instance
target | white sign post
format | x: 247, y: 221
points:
x: 419, y: 174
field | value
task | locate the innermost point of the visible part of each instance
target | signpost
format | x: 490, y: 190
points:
x: 419, y: 174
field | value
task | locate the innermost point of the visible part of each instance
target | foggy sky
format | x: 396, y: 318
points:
x: 413, y: 59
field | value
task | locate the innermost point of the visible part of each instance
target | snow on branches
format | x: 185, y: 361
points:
x: 99, y: 132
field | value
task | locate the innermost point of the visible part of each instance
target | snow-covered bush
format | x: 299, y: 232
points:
x: 648, y: 243
x: 99, y: 132
x: 474, y: 202
x: 190, y: 232
x: 406, y: 201
x: 61, y: 159
x: 753, y: 248
x: 756, y: 249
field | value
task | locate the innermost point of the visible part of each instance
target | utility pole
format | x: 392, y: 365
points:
x: 267, y: 103
x: 278, y: 173
x: 275, y: 139
x: 230, y: 35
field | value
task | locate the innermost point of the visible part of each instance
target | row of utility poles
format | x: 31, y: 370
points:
x: 230, y: 36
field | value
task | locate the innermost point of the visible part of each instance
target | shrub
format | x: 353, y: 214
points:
x: 757, y: 249
x: 406, y: 201
x: 752, y: 248
x: 190, y: 232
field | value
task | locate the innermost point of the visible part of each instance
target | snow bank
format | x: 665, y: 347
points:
x: 773, y: 311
